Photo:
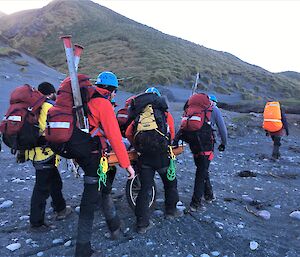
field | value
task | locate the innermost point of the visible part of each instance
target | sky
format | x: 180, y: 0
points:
x: 261, y: 32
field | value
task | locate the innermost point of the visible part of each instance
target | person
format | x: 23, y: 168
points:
x: 201, y: 140
x: 152, y: 146
x: 103, y: 126
x: 276, y: 135
x: 48, y: 181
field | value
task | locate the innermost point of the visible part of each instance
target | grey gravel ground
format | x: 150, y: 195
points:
x: 226, y: 228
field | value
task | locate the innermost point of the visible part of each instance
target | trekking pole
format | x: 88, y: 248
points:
x: 194, y: 88
x: 74, y: 82
x: 77, y: 53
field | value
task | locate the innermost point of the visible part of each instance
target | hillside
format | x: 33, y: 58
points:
x: 114, y: 42
x: 17, y: 68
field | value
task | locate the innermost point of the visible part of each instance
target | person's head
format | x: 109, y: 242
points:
x: 48, y: 90
x: 153, y: 90
x: 213, y: 98
x: 108, y: 81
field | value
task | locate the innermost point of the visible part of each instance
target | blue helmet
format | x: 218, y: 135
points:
x: 213, y: 98
x: 153, y: 90
x: 107, y: 78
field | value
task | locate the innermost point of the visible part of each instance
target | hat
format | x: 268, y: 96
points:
x: 46, y: 88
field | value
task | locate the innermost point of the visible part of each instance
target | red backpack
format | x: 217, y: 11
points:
x: 197, y: 111
x: 61, y: 118
x: 20, y: 127
x: 195, y: 124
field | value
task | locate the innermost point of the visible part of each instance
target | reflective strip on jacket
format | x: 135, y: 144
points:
x: 38, y: 154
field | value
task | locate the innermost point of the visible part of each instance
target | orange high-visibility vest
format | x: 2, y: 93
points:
x: 272, y: 117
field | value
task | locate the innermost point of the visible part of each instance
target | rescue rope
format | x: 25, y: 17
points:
x: 171, y: 172
x: 101, y: 171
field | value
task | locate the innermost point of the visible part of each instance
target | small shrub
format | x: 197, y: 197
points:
x: 21, y: 62
x: 23, y: 69
x: 221, y: 90
x: 8, y: 52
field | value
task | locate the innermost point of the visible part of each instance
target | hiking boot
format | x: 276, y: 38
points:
x: 61, y: 215
x: 209, y: 198
x: 114, y: 235
x: 275, y: 153
x: 45, y: 227
x: 85, y: 250
x: 194, y: 208
x: 175, y: 214
x: 143, y: 230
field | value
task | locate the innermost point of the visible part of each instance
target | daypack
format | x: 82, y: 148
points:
x: 151, y: 132
x: 272, y: 117
x: 20, y: 126
x: 195, y: 123
x: 122, y: 118
x: 62, y: 132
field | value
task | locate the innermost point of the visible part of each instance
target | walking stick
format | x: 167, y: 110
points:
x: 194, y: 88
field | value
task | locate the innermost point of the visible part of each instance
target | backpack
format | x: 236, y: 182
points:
x: 20, y: 126
x: 122, y: 118
x: 195, y: 124
x: 272, y: 117
x: 151, y: 131
x: 62, y: 133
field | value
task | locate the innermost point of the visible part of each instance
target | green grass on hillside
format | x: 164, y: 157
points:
x: 113, y: 42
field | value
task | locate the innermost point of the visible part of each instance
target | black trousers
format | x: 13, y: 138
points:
x: 276, y: 140
x: 106, y: 200
x: 202, y: 180
x: 89, y: 197
x: 47, y: 183
x: 142, y: 210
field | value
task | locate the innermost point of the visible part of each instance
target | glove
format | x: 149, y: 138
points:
x: 175, y: 143
x: 20, y: 157
x: 267, y: 133
x: 221, y: 148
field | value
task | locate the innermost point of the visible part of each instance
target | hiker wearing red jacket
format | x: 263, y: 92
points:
x: 103, y: 126
x: 152, y: 145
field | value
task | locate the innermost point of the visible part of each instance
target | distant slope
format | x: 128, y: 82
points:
x: 114, y: 42
x: 17, y: 68
x: 291, y: 74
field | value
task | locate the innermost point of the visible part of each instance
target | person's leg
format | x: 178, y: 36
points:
x: 277, y: 144
x: 87, y: 206
x: 109, y: 210
x: 41, y: 192
x: 58, y: 201
x: 171, y: 192
x: 202, y: 163
x: 142, y: 210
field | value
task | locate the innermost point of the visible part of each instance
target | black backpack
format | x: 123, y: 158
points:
x: 151, y: 131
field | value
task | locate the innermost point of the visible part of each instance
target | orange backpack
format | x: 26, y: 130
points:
x: 272, y: 117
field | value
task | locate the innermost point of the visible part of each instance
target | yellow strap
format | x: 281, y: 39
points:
x: 172, y: 155
x: 104, y: 164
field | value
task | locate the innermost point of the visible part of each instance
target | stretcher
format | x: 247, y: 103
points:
x: 133, y: 155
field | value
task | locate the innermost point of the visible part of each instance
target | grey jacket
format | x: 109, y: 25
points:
x: 218, y: 121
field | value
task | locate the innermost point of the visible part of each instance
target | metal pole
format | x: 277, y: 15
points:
x: 77, y: 53
x: 194, y: 88
x: 74, y: 81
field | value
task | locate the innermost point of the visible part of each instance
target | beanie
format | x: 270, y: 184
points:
x: 46, y: 88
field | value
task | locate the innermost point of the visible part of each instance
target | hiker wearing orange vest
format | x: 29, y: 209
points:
x: 274, y: 123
